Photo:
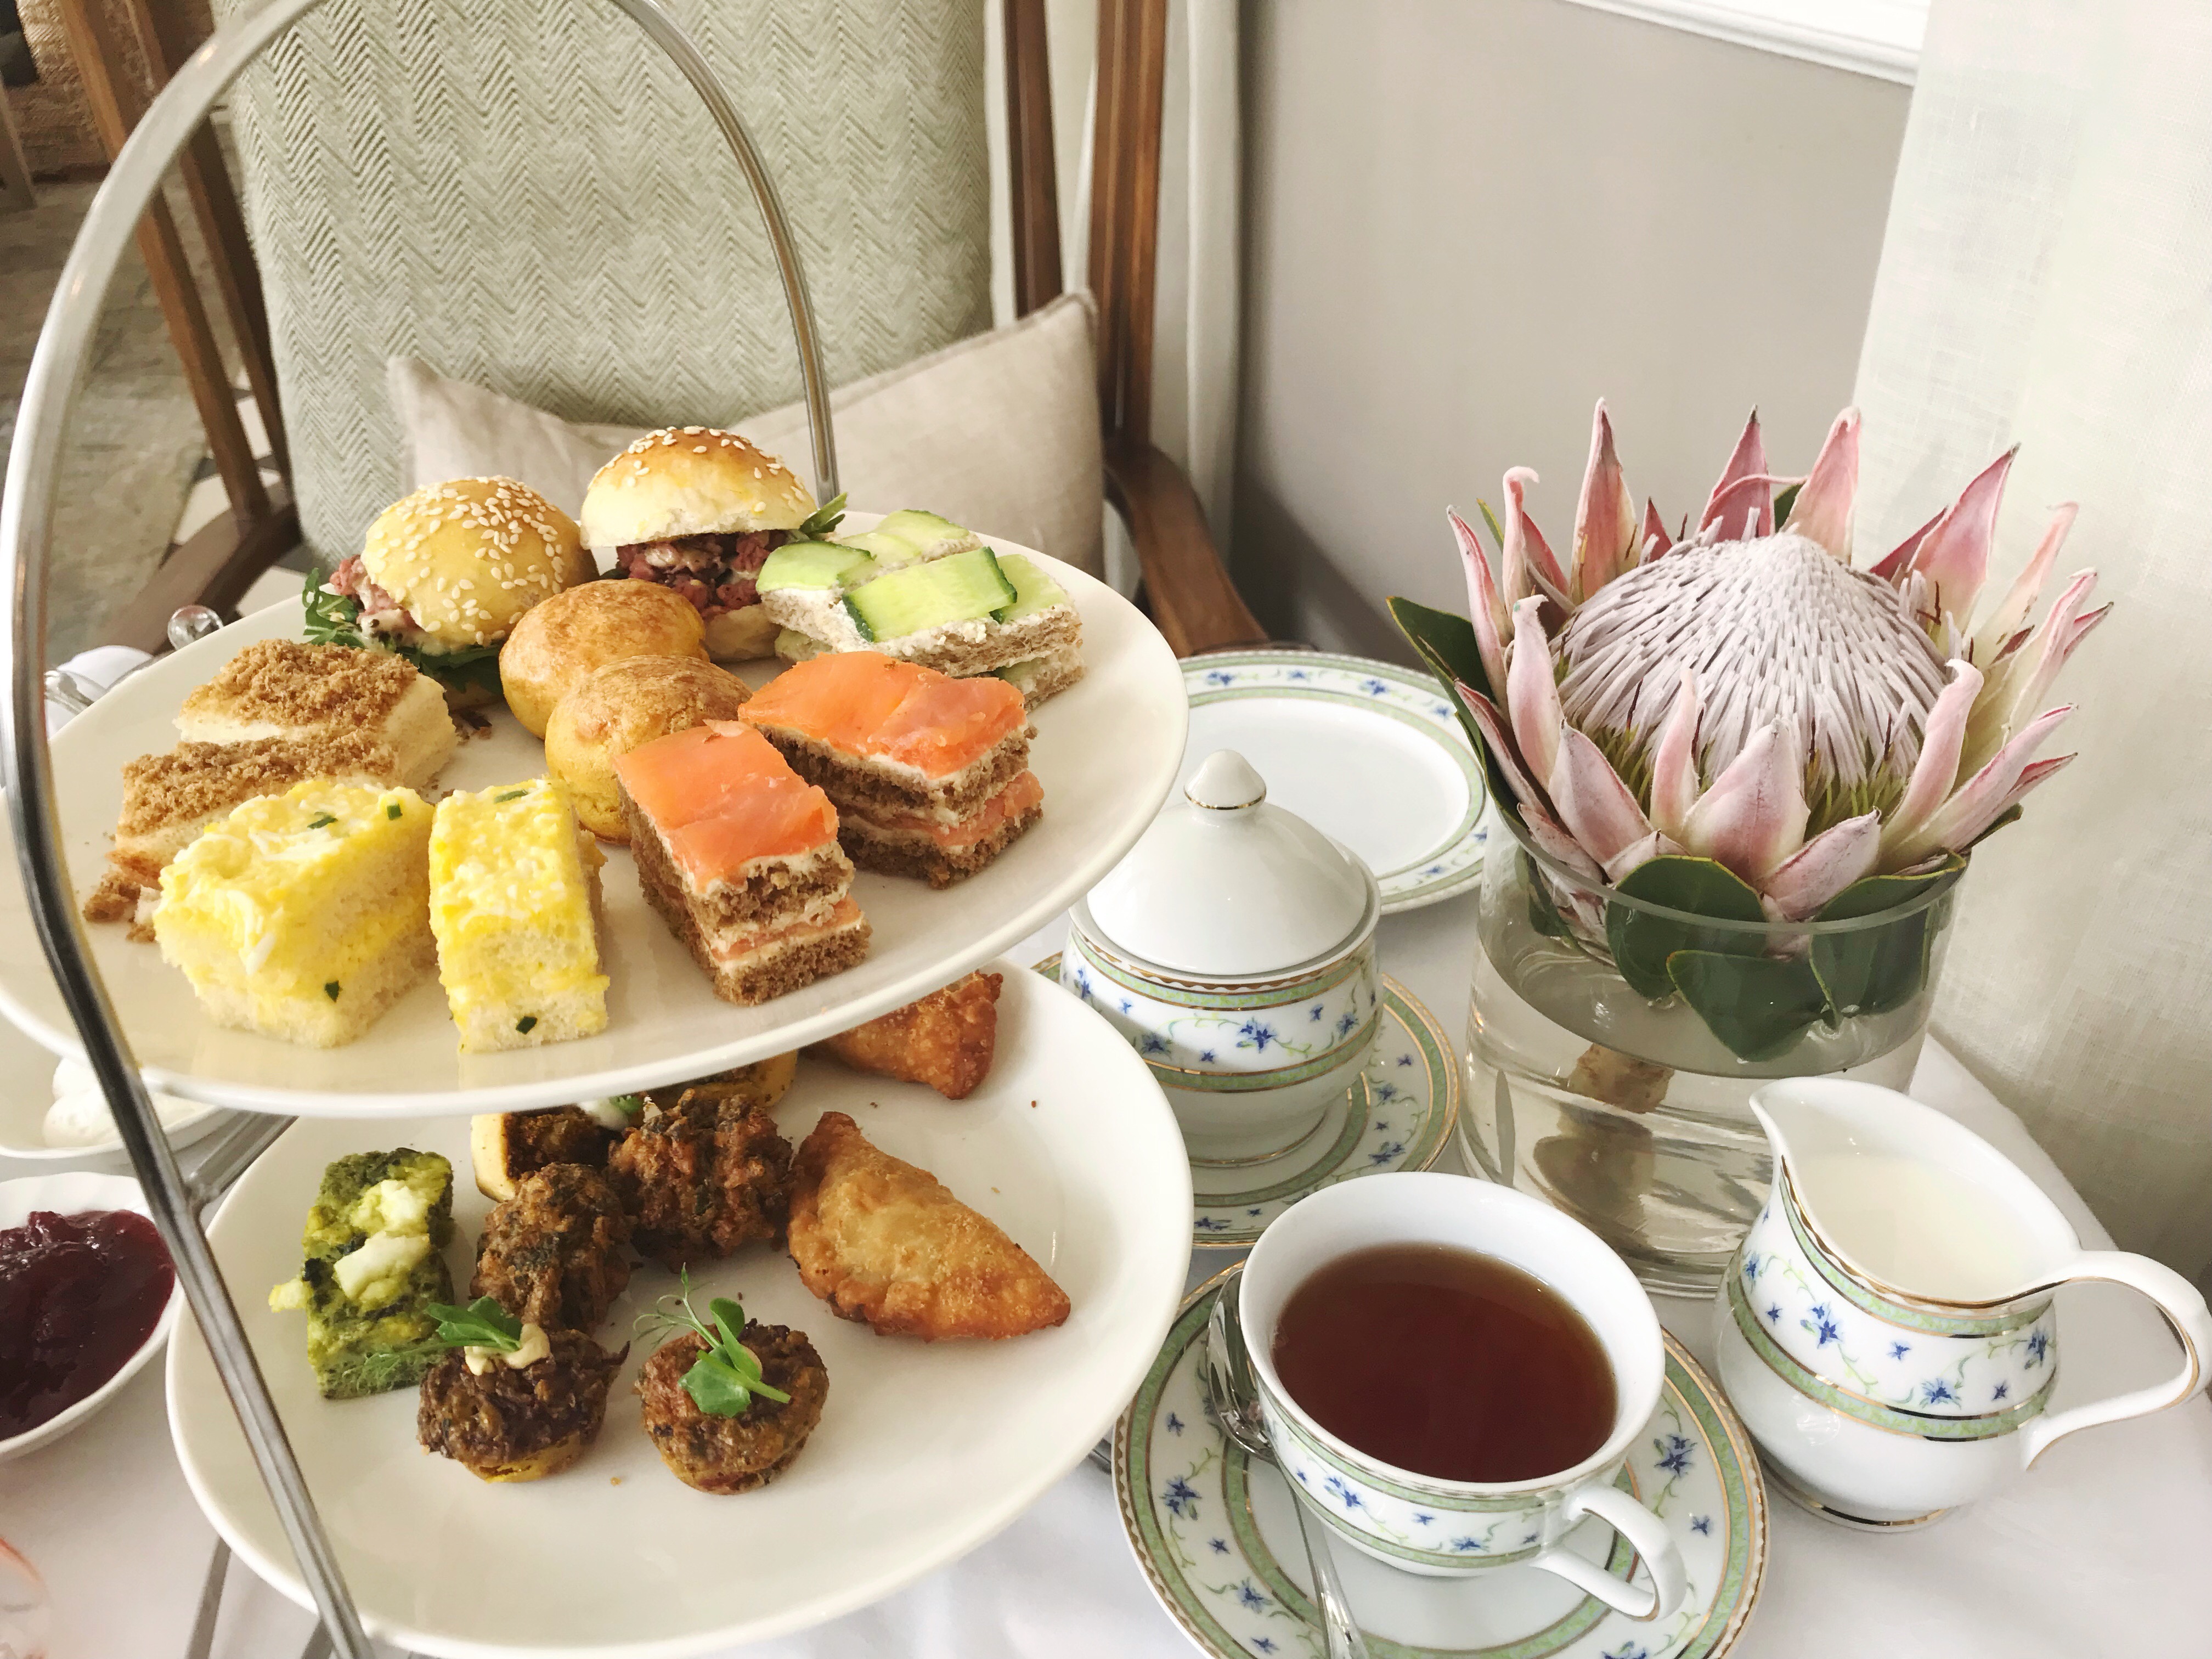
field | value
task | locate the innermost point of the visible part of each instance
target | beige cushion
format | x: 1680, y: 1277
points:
x: 999, y: 431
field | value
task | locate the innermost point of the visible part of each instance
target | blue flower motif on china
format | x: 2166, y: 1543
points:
x: 1181, y: 1498
x: 1301, y: 1475
x: 1251, y: 1597
x: 1385, y: 1092
x: 2038, y: 1344
x: 1254, y: 1210
x: 1299, y: 674
x: 1529, y: 1539
x: 1441, y: 712
x: 1382, y: 1123
x: 1469, y: 1546
x: 1218, y: 1546
x: 1633, y: 1650
x: 1703, y: 1523
x: 1899, y: 1349
x: 1263, y: 1644
x: 1315, y: 1012
x: 1127, y: 1005
x: 1375, y: 687
x: 1774, y: 1313
x: 1822, y: 1325
x: 1210, y: 1223
x: 1176, y: 1425
x: 1206, y: 1057
x: 1345, y: 1022
x: 1751, y: 1270
x: 1343, y: 1494
x: 1675, y: 1451
x: 1255, y: 1035
x: 1420, y: 1519
x: 1405, y: 1060
x: 1434, y: 870
x: 1082, y: 984
x: 1219, y: 676
x: 1936, y: 1392
x: 1385, y: 1153
x: 1153, y: 1043
x: 2003, y: 1390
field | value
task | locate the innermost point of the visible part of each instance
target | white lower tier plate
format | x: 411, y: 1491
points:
x: 1368, y: 752
x: 923, y: 1451
x: 1106, y: 750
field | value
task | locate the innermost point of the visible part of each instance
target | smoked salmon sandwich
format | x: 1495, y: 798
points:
x: 739, y: 854
x: 930, y: 775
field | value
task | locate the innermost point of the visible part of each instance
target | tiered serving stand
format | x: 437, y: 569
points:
x: 26, y: 525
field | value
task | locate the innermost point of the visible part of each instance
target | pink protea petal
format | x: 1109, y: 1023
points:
x: 1549, y: 833
x: 1637, y: 855
x: 1822, y: 512
x: 1839, y: 855
x: 1605, y: 517
x: 1754, y: 816
x: 2023, y: 677
x: 1532, y: 692
x: 1653, y: 541
x: 1978, y: 801
x: 1896, y: 563
x: 1940, y: 745
x: 1734, y: 513
x: 1955, y: 555
x: 1675, y: 763
x: 1748, y: 461
x: 1592, y: 802
x: 1529, y: 564
x: 2004, y: 622
x: 1525, y: 792
x: 1484, y: 608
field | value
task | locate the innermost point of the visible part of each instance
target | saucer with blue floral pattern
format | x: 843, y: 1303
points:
x: 1367, y: 752
x: 1400, y: 1117
x: 1218, y: 1539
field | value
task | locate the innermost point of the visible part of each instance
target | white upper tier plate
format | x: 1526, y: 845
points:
x: 924, y: 1450
x: 1106, y: 752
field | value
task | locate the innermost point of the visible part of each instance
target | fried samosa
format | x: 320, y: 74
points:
x: 944, y: 1040
x: 883, y: 1243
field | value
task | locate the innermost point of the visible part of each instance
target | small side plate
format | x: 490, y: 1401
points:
x: 1218, y: 1542
x: 1365, y: 752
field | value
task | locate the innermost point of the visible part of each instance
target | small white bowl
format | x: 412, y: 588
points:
x: 72, y: 1195
x: 27, y: 1094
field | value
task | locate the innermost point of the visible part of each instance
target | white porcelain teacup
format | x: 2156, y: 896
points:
x: 1459, y: 1527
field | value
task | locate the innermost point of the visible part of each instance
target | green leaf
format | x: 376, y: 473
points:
x: 2011, y: 815
x: 716, y: 1389
x: 1446, y: 644
x: 1758, y: 1007
x: 330, y: 616
x: 1877, y: 969
x: 1642, y: 943
x: 483, y: 1324
x: 730, y: 1319
x: 824, y: 520
x: 1543, y: 914
x: 1783, y: 503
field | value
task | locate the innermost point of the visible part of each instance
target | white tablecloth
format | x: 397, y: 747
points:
x: 2101, y: 1551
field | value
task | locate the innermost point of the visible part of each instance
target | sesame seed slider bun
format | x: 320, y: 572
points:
x: 444, y: 576
x: 691, y: 481
x: 555, y: 647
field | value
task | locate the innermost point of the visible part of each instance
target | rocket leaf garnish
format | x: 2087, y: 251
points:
x: 483, y: 1324
x: 726, y: 1375
x: 824, y: 520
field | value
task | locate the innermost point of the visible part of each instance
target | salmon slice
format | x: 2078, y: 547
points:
x: 864, y: 704
x: 1017, y: 798
x: 721, y: 798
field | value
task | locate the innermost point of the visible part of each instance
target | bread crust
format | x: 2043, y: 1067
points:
x: 558, y: 645
x: 691, y: 481
x: 468, y: 557
x: 620, y: 705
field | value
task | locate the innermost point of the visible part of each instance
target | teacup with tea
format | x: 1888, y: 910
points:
x: 1455, y: 1372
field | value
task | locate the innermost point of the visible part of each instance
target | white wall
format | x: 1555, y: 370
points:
x: 1465, y: 220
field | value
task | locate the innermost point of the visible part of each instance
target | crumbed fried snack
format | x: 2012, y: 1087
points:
x: 761, y: 1083
x: 702, y: 1178
x: 944, y: 1040
x: 555, y: 1254
x: 519, y: 1425
x: 504, y: 1147
x: 725, y: 1454
x: 886, y: 1243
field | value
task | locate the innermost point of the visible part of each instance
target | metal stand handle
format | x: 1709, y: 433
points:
x: 26, y: 530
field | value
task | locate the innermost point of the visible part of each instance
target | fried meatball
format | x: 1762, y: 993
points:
x: 510, y: 1425
x: 555, y: 1254
x: 734, y: 1454
x: 702, y: 1178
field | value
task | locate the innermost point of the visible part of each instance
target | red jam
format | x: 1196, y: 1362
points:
x: 78, y: 1295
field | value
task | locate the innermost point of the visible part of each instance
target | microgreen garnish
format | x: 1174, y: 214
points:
x: 483, y: 1324
x: 524, y: 1025
x: 392, y: 809
x: 330, y: 989
x: 318, y: 821
x: 726, y: 1375
x: 824, y: 520
x: 628, y: 1105
x: 511, y: 794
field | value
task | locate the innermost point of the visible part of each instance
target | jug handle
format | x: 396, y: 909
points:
x: 2183, y: 1305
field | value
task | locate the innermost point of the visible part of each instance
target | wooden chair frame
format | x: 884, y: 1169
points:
x: 1186, y: 586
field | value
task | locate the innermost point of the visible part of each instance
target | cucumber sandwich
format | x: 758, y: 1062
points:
x: 922, y: 589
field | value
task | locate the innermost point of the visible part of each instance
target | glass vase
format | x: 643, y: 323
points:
x: 1631, y: 1110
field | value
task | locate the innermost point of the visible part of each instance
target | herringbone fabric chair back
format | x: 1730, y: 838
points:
x: 525, y: 194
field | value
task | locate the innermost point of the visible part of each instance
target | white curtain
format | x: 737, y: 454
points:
x: 1195, y: 326
x: 2046, y: 278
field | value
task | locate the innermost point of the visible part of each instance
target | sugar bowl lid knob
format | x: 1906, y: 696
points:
x: 1224, y: 781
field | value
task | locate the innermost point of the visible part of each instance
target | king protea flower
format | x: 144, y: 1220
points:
x: 1742, y: 693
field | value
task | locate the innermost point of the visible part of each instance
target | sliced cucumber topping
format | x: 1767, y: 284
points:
x: 891, y: 552
x: 925, y: 532
x: 815, y: 564
x: 963, y: 588
x: 1034, y: 590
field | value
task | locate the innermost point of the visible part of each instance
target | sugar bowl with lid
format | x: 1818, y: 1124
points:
x: 1235, y: 948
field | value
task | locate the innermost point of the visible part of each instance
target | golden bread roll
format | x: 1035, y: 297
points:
x: 557, y: 644
x: 621, y: 705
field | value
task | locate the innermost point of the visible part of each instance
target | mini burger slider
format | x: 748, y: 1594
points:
x: 699, y: 511
x: 444, y: 576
